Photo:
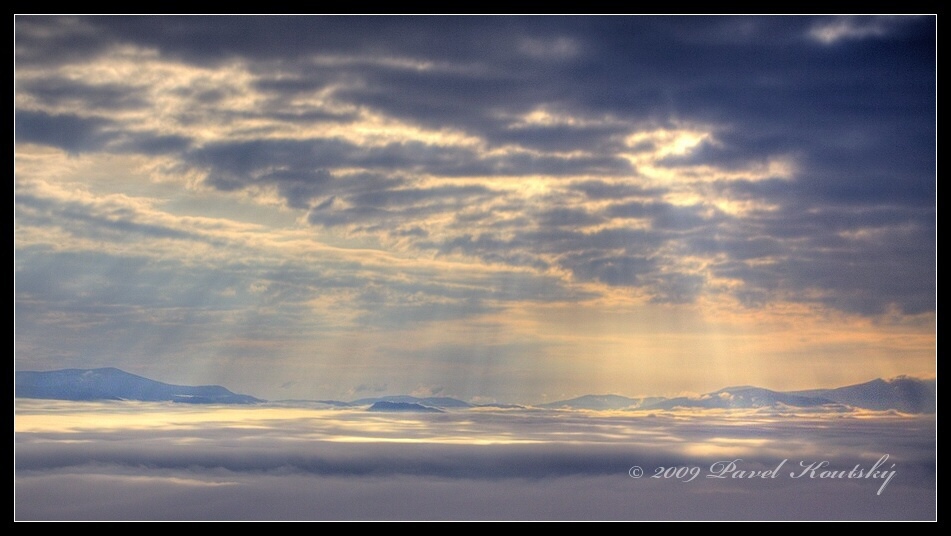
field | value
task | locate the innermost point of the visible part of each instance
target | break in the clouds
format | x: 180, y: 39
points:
x: 332, y: 196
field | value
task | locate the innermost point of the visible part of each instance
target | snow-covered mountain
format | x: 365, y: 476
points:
x: 115, y: 384
x: 383, y: 405
x: 742, y: 397
x: 910, y: 395
x: 905, y: 394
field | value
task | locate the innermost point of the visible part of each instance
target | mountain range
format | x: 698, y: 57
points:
x: 745, y: 397
x: 115, y: 384
x: 384, y: 405
x: 432, y: 401
x: 909, y: 395
x: 904, y: 394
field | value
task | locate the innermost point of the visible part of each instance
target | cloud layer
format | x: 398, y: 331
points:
x: 148, y: 461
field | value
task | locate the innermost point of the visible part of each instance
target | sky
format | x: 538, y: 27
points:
x: 518, y: 209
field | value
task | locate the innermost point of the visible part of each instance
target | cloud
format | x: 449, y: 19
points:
x: 70, y: 132
x: 493, y: 102
x: 308, y: 182
x: 341, y: 464
x: 849, y: 28
x: 62, y: 92
x: 366, y: 388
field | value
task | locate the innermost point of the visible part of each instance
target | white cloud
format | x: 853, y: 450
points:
x: 850, y: 28
x: 152, y: 461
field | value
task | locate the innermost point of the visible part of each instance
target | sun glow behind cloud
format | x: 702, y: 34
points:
x: 507, y: 218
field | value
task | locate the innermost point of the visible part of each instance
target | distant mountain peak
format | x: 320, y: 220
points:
x: 110, y: 383
x: 384, y: 406
x: 432, y: 401
x: 902, y: 393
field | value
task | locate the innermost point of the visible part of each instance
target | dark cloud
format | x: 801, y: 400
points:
x: 602, y: 190
x: 108, y: 98
x: 662, y: 215
x: 302, y: 168
x: 69, y: 132
x: 77, y: 134
x: 568, y: 217
x: 613, y: 270
x: 117, y: 222
x: 155, y: 145
x: 848, y: 102
x: 52, y: 41
x: 863, y: 260
x: 562, y: 137
x: 416, y: 196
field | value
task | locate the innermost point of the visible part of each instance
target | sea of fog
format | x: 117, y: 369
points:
x: 157, y: 461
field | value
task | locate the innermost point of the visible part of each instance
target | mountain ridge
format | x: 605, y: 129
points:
x: 431, y: 401
x: 902, y: 393
x: 402, y: 407
x: 110, y: 383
